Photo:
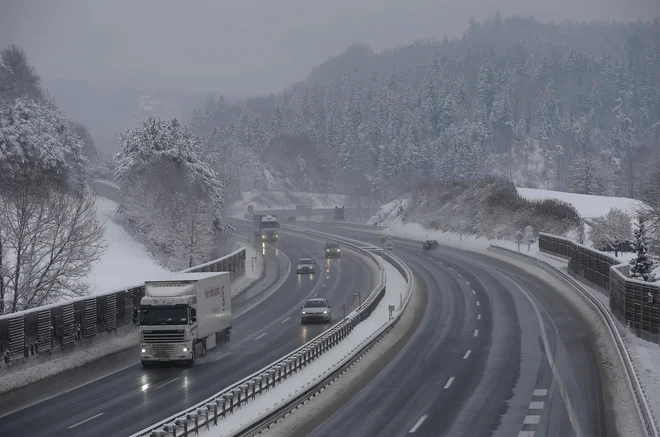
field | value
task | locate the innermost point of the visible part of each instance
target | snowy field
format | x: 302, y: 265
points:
x: 126, y: 262
x: 586, y: 205
x: 280, y: 394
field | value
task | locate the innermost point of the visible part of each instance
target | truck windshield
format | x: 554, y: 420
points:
x: 163, y: 315
x: 269, y: 225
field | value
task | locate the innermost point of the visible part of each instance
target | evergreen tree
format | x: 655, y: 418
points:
x: 642, y: 265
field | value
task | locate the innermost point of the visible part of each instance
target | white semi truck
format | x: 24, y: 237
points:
x: 184, y: 316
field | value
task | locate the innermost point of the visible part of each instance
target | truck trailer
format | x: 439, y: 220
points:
x: 184, y: 316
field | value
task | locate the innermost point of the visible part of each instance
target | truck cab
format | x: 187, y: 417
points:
x: 182, y: 317
x: 332, y: 250
x: 270, y: 228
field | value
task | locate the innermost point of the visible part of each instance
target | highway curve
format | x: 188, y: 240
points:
x: 477, y: 364
x: 133, y: 398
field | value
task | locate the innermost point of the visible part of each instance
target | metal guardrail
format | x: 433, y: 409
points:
x: 643, y: 409
x: 236, y: 395
x: 37, y: 332
x: 634, y: 303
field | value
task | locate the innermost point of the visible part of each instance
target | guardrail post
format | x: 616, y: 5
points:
x: 170, y: 429
x: 204, y: 411
x: 237, y: 395
x: 251, y: 385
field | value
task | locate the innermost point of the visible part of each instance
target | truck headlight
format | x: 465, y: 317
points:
x: 327, y: 250
x: 185, y: 349
x: 144, y: 351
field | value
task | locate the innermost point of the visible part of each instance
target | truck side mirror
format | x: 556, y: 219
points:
x: 193, y: 315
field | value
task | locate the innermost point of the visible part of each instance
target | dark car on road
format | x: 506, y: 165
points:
x: 430, y: 244
x: 332, y: 250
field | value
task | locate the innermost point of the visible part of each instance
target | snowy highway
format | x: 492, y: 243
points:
x: 476, y: 364
x: 133, y: 398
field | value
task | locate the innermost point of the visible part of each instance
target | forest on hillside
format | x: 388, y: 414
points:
x: 573, y: 107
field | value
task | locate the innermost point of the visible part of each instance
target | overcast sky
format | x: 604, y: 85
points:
x: 245, y: 47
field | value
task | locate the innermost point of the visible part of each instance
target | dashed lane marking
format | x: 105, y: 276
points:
x: 467, y: 354
x: 536, y: 405
x: 449, y: 382
x: 474, y: 292
x: 476, y: 332
x: 540, y: 392
x: 286, y: 320
x: 526, y: 434
x: 86, y: 420
x: 418, y: 424
x: 259, y: 336
x: 467, y: 282
x: 478, y: 316
x: 478, y: 304
x: 532, y: 420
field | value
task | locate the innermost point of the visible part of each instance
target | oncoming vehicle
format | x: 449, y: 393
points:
x: 430, y: 244
x: 305, y: 265
x: 332, y: 250
x: 316, y: 309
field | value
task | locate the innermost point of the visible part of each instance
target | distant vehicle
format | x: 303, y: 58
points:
x: 389, y: 246
x: 184, y: 316
x: 430, y: 244
x: 305, y: 265
x: 317, y: 309
x: 332, y: 250
x: 266, y: 227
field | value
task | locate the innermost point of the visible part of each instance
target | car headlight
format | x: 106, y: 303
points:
x: 338, y: 250
x: 304, y: 312
x: 185, y: 349
x: 325, y: 312
x: 327, y: 250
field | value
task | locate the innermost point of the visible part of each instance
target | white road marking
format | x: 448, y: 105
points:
x: 526, y: 434
x: 286, y: 320
x: 540, y: 392
x: 449, y: 382
x: 418, y: 424
x: 86, y: 420
x: 467, y: 354
x: 476, y: 332
x: 316, y: 294
x: 467, y: 282
x: 474, y: 292
x: 478, y: 316
x: 459, y: 275
x: 165, y: 383
x: 532, y: 420
x: 478, y: 304
x: 537, y: 405
x: 323, y: 285
x: 259, y: 336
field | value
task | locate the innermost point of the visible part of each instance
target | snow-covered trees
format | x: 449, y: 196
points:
x: 613, y: 226
x: 642, y: 265
x: 489, y: 103
x: 50, y: 235
x: 590, y: 176
x: 169, y: 193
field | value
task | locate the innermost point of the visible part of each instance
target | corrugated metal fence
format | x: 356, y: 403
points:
x: 634, y: 303
x: 38, y: 331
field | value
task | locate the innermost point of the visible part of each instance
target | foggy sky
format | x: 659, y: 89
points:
x: 246, y: 47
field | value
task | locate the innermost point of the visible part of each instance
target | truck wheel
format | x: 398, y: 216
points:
x: 204, y: 349
x: 145, y: 364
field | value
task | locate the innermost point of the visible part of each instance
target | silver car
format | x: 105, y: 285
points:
x: 316, y: 310
x: 305, y: 265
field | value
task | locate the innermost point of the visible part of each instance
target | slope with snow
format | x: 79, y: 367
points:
x: 587, y: 205
x: 126, y: 262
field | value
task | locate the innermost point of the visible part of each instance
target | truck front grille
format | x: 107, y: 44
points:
x: 163, y: 350
x: 174, y: 336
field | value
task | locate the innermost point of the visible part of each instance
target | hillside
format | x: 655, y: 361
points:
x: 572, y: 107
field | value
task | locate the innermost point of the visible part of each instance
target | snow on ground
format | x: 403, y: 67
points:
x: 587, y: 206
x: 389, y: 212
x: 126, y: 262
x: 283, y: 392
